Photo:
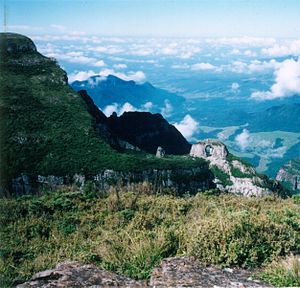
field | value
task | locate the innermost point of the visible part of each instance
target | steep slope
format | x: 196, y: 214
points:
x: 148, y: 131
x: 115, y: 90
x: 289, y: 175
x: 47, y: 128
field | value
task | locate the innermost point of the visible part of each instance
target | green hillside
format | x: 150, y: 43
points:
x: 45, y: 127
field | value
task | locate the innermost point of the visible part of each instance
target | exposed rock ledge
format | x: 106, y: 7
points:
x: 172, y: 272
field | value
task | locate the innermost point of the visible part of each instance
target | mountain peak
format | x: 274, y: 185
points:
x: 14, y: 44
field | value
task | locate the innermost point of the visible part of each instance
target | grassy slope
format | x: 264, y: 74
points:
x: 46, y: 129
x: 131, y: 232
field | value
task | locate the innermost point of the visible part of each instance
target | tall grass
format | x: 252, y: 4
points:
x: 130, y: 232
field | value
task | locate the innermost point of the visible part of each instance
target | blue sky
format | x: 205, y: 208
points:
x: 176, y: 18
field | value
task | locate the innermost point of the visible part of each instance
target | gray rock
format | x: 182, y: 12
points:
x: 209, y: 148
x: 172, y: 272
x: 186, y: 271
x: 74, y: 274
x: 160, y: 152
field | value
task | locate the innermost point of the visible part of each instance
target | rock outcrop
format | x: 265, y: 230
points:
x: 289, y: 175
x: 16, y: 44
x: 173, y: 272
x: 74, y: 274
x: 209, y: 148
x: 181, y: 180
x: 232, y: 175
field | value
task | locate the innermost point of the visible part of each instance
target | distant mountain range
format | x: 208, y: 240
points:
x: 284, y: 117
x: 111, y: 89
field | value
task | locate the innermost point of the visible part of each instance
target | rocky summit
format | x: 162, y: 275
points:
x: 173, y: 272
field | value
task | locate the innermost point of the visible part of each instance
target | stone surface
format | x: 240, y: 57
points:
x: 172, y: 272
x: 13, y: 43
x: 187, y: 272
x: 245, y: 181
x: 209, y: 148
x: 73, y: 274
x: 289, y: 174
x: 160, y: 152
x: 199, y: 179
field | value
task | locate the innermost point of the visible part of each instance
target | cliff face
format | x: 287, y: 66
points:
x: 148, y: 131
x: 231, y: 174
x: 289, y: 175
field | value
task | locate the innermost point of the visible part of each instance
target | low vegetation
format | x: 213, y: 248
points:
x: 130, y: 232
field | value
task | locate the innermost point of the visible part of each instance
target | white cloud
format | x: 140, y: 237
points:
x: 202, y: 66
x: 235, y: 86
x: 167, y: 110
x: 243, y: 139
x: 187, y: 126
x: 127, y: 107
x: 235, y: 52
x: 76, y: 57
x: 59, y: 27
x: 252, y: 66
x: 23, y: 28
x: 262, y: 147
x: 287, y: 82
x: 258, y: 66
x: 289, y: 48
x: 242, y: 41
x: 109, y: 109
x: 109, y: 49
x: 81, y: 76
x: 99, y: 63
x: 119, y: 109
x: 120, y: 66
x: 180, y: 66
x: 249, y: 53
x: 147, y: 106
x: 138, y: 76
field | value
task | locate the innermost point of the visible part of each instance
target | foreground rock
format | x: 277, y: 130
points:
x: 73, y: 274
x: 187, y: 272
x: 173, y: 272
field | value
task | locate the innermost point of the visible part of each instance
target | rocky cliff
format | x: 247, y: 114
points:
x: 231, y: 174
x: 289, y: 175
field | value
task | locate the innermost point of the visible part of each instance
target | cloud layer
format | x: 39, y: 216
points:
x: 287, y: 82
x: 188, y: 126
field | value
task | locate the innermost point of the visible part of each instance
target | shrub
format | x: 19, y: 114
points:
x: 130, y: 233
